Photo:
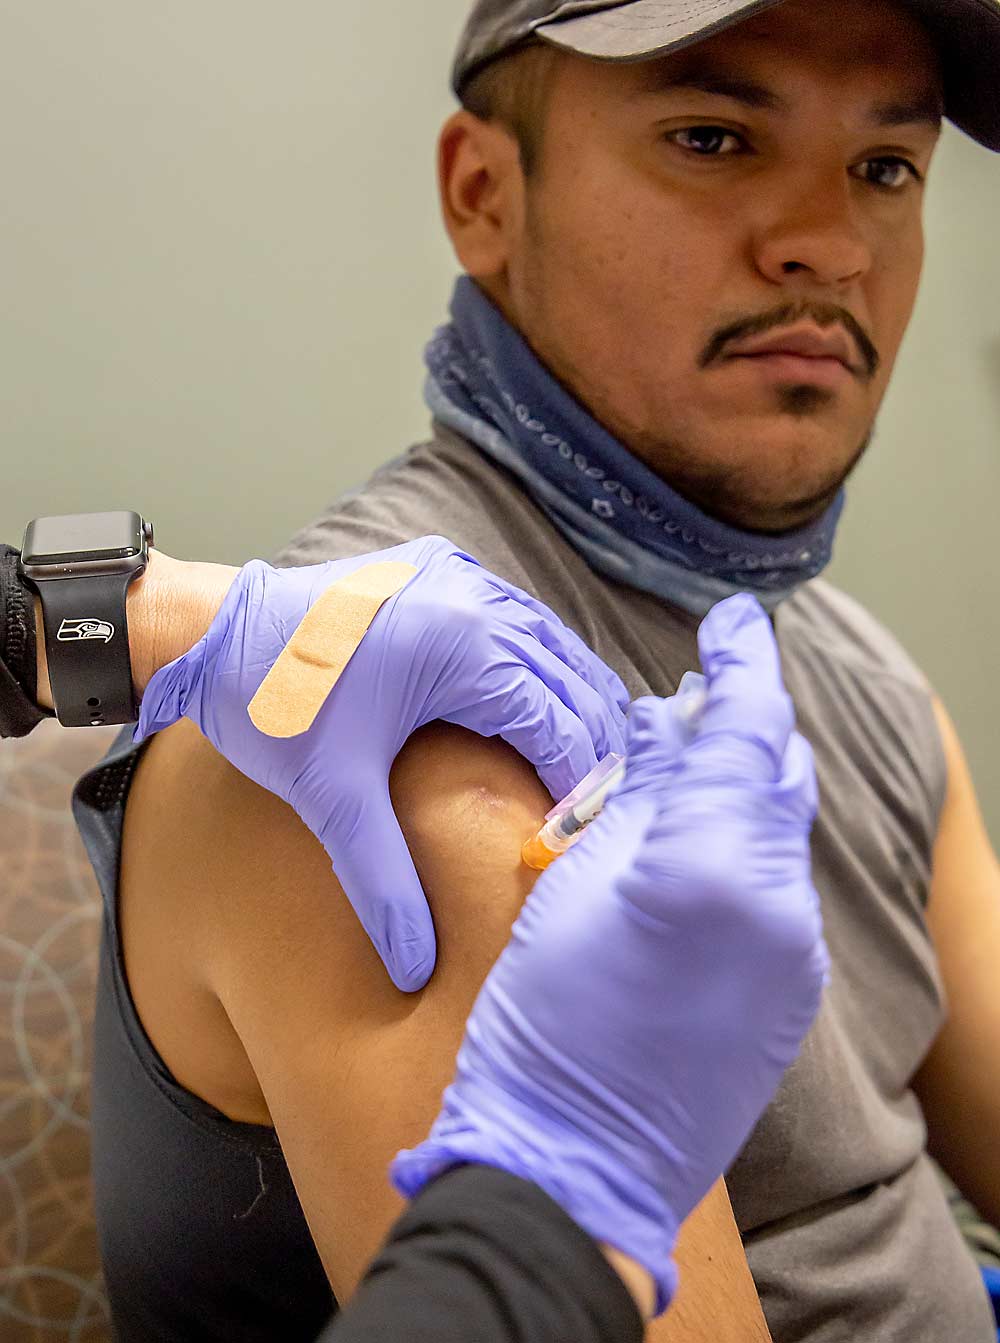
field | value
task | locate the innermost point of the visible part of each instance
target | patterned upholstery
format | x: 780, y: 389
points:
x: 50, y: 1287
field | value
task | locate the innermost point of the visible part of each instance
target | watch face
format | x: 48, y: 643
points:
x: 78, y: 537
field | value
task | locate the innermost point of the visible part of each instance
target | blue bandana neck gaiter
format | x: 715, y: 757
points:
x: 487, y: 385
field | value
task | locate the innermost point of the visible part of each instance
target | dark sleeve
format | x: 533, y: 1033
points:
x: 484, y: 1257
x: 19, y: 713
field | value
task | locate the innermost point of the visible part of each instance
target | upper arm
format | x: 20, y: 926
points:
x: 352, y: 1070
x: 959, y: 1082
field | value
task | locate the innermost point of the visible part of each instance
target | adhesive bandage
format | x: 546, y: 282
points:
x: 312, y: 662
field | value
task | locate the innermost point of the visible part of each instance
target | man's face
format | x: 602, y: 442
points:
x: 667, y: 226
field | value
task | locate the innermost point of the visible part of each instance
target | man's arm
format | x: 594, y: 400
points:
x: 351, y: 1069
x: 168, y: 609
x: 959, y: 1082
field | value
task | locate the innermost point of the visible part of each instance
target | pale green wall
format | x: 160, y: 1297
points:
x: 221, y: 256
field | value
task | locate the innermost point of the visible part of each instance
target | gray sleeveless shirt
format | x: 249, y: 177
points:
x: 846, y: 1228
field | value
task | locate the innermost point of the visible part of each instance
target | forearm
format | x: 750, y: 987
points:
x: 168, y: 610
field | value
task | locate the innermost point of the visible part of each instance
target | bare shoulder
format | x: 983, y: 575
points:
x: 220, y: 879
x: 465, y: 805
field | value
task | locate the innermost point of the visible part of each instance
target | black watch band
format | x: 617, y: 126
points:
x: 81, y: 566
x: 86, y: 645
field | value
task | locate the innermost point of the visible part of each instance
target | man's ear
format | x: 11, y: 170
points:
x: 481, y: 183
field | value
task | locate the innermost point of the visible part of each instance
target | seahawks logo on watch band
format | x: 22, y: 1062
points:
x: 72, y: 630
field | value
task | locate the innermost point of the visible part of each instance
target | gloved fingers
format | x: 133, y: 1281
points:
x: 602, y: 717
x: 167, y: 696
x: 709, y: 838
x: 798, y: 788
x: 657, y: 735
x: 567, y: 645
x: 372, y: 862
x: 551, y: 717
x: 433, y: 546
x: 173, y: 691
x: 749, y: 716
x: 798, y: 793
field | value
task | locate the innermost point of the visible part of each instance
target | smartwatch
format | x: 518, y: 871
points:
x: 81, y: 565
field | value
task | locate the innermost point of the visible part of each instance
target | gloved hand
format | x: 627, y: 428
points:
x: 662, y: 974
x: 457, y: 643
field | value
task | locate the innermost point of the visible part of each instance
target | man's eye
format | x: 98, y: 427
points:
x: 891, y: 173
x: 704, y: 141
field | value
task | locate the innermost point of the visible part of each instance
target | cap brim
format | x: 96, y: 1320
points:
x: 966, y: 32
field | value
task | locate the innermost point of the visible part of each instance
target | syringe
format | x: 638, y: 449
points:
x: 567, y: 821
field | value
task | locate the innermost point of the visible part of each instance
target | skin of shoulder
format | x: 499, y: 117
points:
x: 259, y: 988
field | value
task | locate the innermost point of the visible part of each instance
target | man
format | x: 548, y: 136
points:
x: 688, y: 277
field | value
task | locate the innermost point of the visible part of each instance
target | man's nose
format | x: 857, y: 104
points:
x: 817, y: 235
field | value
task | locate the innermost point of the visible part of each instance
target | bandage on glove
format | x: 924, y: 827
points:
x: 311, y: 679
x: 662, y: 975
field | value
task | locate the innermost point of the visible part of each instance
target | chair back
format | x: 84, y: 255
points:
x: 50, y: 918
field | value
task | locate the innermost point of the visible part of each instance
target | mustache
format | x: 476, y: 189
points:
x: 823, y: 314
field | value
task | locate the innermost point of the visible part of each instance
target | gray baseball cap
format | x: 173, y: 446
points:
x: 967, y: 34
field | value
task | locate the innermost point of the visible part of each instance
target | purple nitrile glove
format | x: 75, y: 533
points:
x: 458, y: 644
x: 662, y: 974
